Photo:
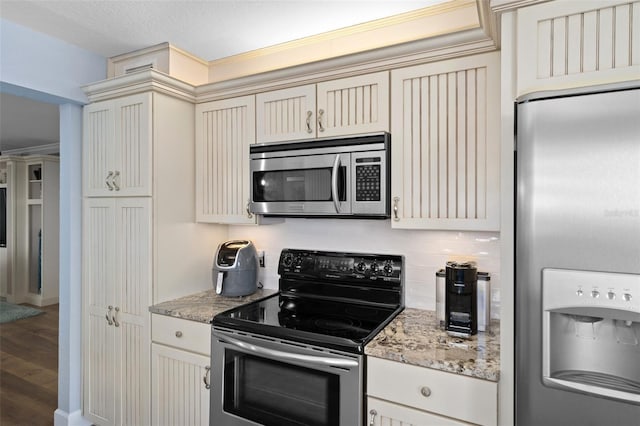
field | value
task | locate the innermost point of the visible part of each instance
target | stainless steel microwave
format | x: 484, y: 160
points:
x: 346, y: 177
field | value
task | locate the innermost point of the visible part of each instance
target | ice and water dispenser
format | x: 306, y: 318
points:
x: 591, y: 332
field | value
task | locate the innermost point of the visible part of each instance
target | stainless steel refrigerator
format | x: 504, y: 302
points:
x: 577, y: 263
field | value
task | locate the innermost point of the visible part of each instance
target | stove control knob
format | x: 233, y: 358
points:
x: 298, y: 261
x: 595, y: 294
x: 374, y: 267
x: 287, y: 260
x: 579, y: 292
x: 627, y: 297
x: 361, y: 267
x: 611, y: 295
x: 388, y: 268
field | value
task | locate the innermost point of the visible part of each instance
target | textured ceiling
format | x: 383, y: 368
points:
x: 210, y: 29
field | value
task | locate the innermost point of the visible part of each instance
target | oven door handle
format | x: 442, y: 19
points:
x: 285, y: 356
x: 334, y: 183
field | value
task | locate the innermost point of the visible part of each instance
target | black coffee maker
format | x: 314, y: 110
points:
x: 461, y: 299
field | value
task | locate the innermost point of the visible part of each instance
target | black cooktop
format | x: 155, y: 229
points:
x: 328, y: 299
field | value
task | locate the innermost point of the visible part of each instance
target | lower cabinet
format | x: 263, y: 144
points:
x: 384, y: 413
x: 180, y: 372
x: 406, y: 395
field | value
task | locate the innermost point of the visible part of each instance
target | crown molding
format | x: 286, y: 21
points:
x: 138, y: 82
x: 463, y: 43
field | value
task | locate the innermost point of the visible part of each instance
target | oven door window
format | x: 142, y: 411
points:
x: 274, y: 393
x: 297, y: 185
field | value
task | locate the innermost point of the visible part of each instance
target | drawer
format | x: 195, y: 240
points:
x: 453, y: 395
x: 180, y: 333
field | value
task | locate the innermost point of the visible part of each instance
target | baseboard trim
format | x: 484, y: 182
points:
x: 62, y: 418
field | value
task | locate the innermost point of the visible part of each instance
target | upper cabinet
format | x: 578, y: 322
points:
x: 117, y: 147
x: 446, y: 144
x: 565, y: 44
x: 224, y: 131
x: 333, y: 108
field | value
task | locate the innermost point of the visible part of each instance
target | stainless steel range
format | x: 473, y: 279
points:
x: 296, y: 358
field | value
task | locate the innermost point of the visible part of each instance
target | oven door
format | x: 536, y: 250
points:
x: 262, y: 381
x: 294, y: 185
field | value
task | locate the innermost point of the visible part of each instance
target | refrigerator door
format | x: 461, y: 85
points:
x: 577, y: 207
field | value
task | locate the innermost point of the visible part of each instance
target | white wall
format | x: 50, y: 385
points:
x: 425, y: 251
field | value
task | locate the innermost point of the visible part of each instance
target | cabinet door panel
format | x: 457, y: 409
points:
x: 133, y: 265
x: 132, y: 167
x: 118, y: 147
x: 353, y: 105
x: 116, y: 283
x: 286, y: 114
x: 445, y: 148
x: 98, y: 152
x: 99, y: 390
x: 179, y: 394
x: 575, y: 44
x: 384, y: 413
x: 224, y: 131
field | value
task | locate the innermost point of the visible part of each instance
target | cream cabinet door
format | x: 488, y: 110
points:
x: 446, y: 144
x: 353, y: 105
x: 566, y: 44
x: 118, y: 147
x: 116, y: 293
x: 224, y: 131
x: 287, y: 114
x: 180, y: 394
x: 384, y: 413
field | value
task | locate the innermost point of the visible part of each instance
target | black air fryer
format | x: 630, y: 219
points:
x: 461, y: 299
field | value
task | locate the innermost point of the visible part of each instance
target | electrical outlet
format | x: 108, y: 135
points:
x: 261, y: 258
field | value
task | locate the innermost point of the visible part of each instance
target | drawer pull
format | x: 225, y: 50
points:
x: 207, y: 377
x: 178, y: 333
x: 425, y: 391
x: 373, y: 414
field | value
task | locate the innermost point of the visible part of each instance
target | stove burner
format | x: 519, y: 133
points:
x: 342, y: 324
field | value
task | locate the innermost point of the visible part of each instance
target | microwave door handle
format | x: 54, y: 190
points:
x: 334, y: 183
x: 286, y: 356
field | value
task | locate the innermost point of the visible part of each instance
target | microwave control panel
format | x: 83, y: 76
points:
x: 368, y: 179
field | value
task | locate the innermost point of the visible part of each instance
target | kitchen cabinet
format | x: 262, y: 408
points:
x: 338, y: 107
x: 406, y: 394
x: 117, y: 276
x: 118, y: 147
x: 224, y: 131
x: 446, y: 144
x: 32, y: 229
x: 141, y: 249
x: 180, y: 365
x: 564, y: 44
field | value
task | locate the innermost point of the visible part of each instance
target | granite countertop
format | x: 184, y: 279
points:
x: 413, y: 337
x: 205, y: 305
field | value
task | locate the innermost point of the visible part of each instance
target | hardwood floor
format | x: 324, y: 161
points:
x: 29, y: 369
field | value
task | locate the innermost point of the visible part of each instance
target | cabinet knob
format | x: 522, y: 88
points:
x: 309, y: 114
x: 115, y: 317
x: 396, y: 201
x: 320, y: 114
x: 425, y: 391
x: 108, y: 181
x: 373, y: 414
x: 178, y: 333
x: 108, y: 317
x: 207, y: 377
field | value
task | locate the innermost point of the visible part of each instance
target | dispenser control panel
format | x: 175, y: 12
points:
x: 565, y: 288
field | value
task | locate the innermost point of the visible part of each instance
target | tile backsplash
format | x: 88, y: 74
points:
x: 425, y: 252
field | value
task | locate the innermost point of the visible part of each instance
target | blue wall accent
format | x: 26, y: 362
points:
x: 41, y: 63
x: 46, y: 69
